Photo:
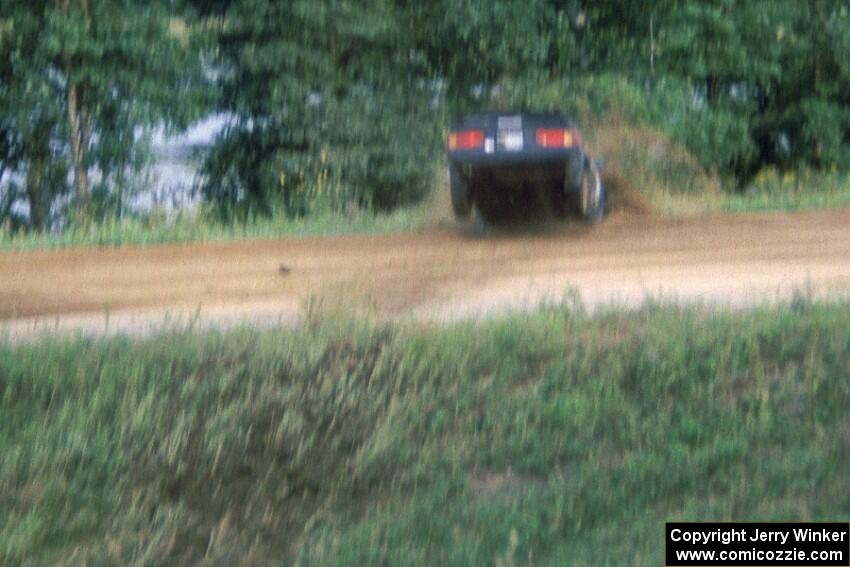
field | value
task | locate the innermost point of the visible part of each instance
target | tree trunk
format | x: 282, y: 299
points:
x: 712, y: 88
x: 35, y: 198
x: 78, y: 145
x: 79, y: 123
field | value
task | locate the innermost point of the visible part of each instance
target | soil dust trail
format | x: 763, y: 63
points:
x: 441, y: 273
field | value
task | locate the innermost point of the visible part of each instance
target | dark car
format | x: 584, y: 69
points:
x: 503, y: 162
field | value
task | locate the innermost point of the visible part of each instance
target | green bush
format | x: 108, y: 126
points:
x: 368, y: 149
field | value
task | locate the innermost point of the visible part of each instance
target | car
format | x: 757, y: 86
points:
x: 502, y: 163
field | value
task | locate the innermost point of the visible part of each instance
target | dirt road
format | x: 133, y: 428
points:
x: 439, y: 274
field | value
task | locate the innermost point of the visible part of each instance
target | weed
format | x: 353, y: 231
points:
x: 547, y: 439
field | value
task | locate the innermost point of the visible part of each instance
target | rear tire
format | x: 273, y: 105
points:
x: 461, y: 195
x: 592, y: 197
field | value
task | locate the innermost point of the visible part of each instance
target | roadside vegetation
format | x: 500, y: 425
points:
x: 197, y: 226
x: 645, y: 174
x: 644, y: 171
x: 546, y: 439
x: 332, y: 107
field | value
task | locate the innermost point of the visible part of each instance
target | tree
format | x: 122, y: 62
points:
x: 473, y: 46
x: 806, y: 116
x: 29, y: 114
x: 779, y: 69
x: 324, y: 105
x: 81, y: 80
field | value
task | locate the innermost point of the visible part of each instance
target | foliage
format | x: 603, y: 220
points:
x: 569, y: 439
x: 206, y: 226
x: 773, y: 189
x: 778, y: 72
x: 80, y: 80
x: 321, y: 101
x: 341, y: 104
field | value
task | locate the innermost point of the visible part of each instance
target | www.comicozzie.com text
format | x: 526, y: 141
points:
x: 743, y: 534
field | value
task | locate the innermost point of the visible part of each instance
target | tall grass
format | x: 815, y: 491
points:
x: 648, y: 173
x: 192, y: 227
x: 551, y: 439
x: 774, y: 190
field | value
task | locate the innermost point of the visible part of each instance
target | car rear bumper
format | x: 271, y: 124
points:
x: 526, y: 158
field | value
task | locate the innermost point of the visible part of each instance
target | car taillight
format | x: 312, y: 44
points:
x: 557, y: 138
x: 466, y: 140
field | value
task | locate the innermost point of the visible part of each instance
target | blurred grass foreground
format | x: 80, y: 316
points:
x: 557, y: 438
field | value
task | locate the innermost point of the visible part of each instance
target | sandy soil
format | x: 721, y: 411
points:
x: 442, y: 273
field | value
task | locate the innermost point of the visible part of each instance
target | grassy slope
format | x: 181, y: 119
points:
x: 551, y: 439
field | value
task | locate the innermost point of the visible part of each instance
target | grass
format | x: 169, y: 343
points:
x: 647, y: 172
x: 195, y: 228
x: 818, y: 193
x: 644, y: 171
x: 557, y: 438
x: 772, y: 190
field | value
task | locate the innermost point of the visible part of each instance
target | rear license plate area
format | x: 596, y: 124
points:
x: 509, y: 133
